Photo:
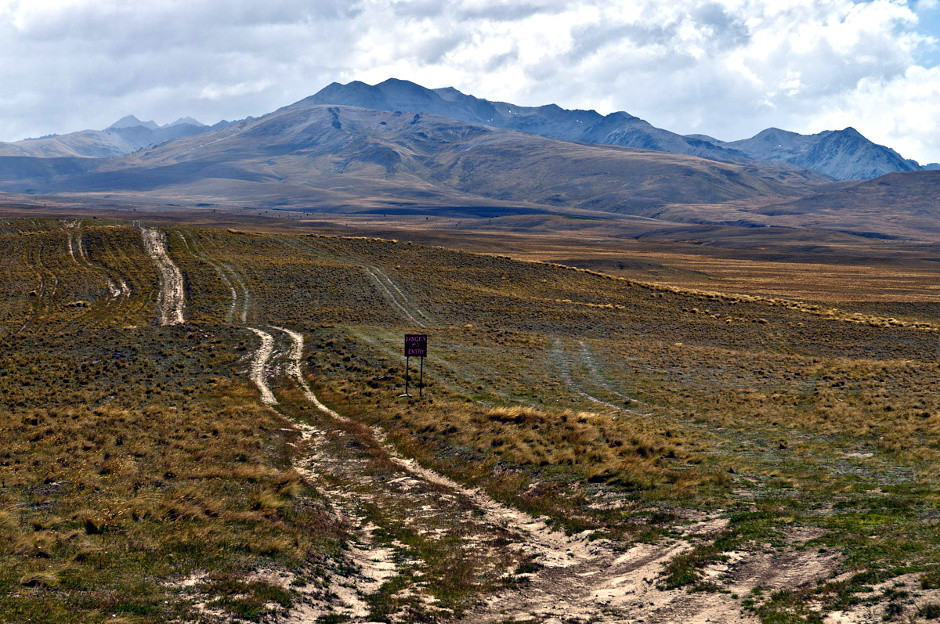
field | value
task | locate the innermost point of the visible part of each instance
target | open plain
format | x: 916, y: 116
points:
x: 202, y: 422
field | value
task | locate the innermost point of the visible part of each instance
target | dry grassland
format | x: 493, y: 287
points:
x: 142, y: 477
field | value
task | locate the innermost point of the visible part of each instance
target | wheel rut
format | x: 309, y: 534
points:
x: 171, y: 299
x: 117, y: 287
x: 259, y: 365
x: 241, y: 297
x: 399, y: 300
x: 384, y: 496
x: 563, y: 363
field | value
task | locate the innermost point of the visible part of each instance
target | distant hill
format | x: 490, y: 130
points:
x: 126, y: 135
x: 842, y: 155
x: 28, y: 174
x: 894, y: 205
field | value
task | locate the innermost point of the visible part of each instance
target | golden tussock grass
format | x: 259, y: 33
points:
x: 140, y: 454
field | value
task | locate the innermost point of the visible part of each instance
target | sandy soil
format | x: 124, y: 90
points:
x: 910, y: 597
x: 259, y: 365
x: 293, y: 369
x: 171, y: 299
x: 623, y: 587
x: 373, y: 562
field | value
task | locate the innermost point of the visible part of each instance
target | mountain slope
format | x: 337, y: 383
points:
x: 551, y: 121
x: 895, y: 205
x: 126, y: 135
x: 840, y: 154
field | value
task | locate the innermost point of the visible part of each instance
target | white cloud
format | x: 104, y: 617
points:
x: 728, y: 68
x: 902, y: 112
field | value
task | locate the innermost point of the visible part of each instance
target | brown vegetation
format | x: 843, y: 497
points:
x: 141, y: 476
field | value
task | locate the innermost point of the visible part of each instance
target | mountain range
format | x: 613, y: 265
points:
x: 838, y: 154
x: 124, y: 136
x: 841, y: 155
x: 352, y: 159
x: 377, y: 153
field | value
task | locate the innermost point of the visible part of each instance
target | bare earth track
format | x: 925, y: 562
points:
x: 397, y: 297
x: 171, y: 299
x: 241, y: 296
x: 259, y: 365
x: 564, y: 365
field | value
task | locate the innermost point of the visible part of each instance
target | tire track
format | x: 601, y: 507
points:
x: 562, y: 361
x: 386, y: 286
x: 554, y: 548
x: 246, y: 294
x: 117, y: 288
x: 241, y: 296
x: 74, y: 244
x: 70, y: 247
x: 588, y: 358
x: 128, y: 277
x: 374, y: 560
x: 36, y: 295
x: 259, y: 365
x: 293, y: 369
x: 193, y: 248
x: 396, y: 296
x: 171, y: 299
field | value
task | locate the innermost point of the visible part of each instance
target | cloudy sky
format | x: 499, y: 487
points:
x: 727, y: 68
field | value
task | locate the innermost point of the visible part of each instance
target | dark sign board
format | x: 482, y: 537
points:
x: 416, y: 345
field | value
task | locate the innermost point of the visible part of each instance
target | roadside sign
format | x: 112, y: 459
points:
x: 416, y: 345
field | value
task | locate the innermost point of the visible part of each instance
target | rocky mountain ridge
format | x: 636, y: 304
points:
x: 124, y: 136
x: 838, y: 154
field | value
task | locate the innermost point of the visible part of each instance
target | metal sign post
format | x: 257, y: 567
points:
x: 406, y: 376
x: 416, y: 345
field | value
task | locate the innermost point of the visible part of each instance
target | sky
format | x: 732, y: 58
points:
x: 727, y: 68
